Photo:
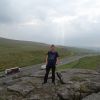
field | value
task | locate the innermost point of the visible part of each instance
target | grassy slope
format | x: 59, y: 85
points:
x: 22, y: 53
x: 85, y: 63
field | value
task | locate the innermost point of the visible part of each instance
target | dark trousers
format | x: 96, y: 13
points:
x: 47, y: 73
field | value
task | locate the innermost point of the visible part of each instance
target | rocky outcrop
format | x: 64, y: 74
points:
x: 79, y: 84
x: 22, y: 88
x: 94, y: 96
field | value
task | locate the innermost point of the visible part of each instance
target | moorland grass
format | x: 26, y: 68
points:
x: 92, y: 62
x: 21, y: 53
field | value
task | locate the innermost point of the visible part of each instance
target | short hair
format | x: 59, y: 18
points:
x: 52, y: 45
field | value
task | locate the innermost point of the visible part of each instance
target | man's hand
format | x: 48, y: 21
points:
x: 45, y: 63
x: 58, y: 61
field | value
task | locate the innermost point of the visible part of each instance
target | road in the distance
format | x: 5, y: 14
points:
x: 35, y: 68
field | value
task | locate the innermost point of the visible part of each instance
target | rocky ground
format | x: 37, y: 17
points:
x: 80, y: 84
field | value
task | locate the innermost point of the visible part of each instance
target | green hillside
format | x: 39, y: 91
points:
x: 84, y: 63
x: 22, y: 53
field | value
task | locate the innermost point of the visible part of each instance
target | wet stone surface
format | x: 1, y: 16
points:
x: 80, y: 84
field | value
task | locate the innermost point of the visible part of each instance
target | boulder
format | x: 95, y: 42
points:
x: 63, y: 94
x: 34, y: 97
x: 10, y: 81
x: 22, y: 88
x: 1, y: 90
x: 94, y: 96
x: 92, y: 86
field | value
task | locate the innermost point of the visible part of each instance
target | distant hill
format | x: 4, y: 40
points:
x: 23, y: 53
x: 17, y: 43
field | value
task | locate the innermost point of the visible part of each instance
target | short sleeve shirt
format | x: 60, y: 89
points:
x: 52, y: 57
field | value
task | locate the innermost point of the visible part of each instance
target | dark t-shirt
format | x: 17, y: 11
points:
x: 52, y: 58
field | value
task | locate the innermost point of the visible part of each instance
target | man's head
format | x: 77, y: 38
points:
x: 52, y: 47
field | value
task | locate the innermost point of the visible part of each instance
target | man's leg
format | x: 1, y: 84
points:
x: 53, y: 74
x: 46, y: 75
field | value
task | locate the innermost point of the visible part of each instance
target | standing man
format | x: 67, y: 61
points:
x: 52, y: 59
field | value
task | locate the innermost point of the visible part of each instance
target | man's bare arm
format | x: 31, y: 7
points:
x: 58, y: 60
x: 46, y: 60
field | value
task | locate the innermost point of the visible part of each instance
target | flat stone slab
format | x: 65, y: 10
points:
x: 34, y: 97
x: 1, y: 90
x: 93, y: 96
x: 22, y: 88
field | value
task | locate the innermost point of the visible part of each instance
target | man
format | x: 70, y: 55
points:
x: 52, y: 59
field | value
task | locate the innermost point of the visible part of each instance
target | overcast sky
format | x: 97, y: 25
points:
x: 64, y: 22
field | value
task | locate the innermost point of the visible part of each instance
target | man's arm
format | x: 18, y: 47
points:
x: 46, y: 61
x: 58, y: 60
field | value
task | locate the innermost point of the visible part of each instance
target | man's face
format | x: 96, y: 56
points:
x: 52, y: 48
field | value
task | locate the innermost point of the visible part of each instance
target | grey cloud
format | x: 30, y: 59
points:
x: 16, y: 18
